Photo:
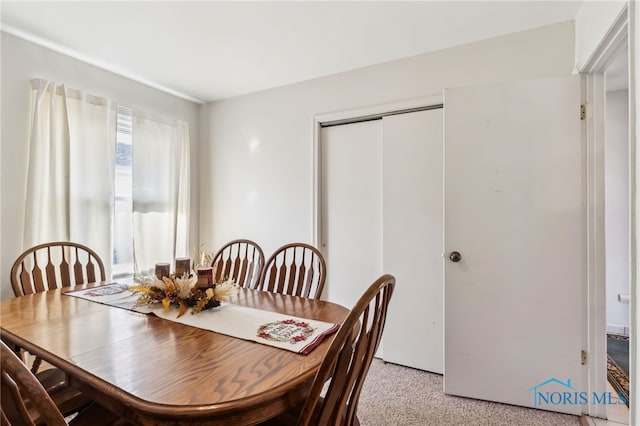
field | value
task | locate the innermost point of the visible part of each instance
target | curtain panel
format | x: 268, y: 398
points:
x: 161, y: 196
x: 69, y: 175
x: 47, y: 201
x: 92, y: 129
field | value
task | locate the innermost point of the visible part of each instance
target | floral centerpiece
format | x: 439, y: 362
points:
x: 183, y: 292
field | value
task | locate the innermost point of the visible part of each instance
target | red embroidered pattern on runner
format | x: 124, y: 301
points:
x: 107, y: 290
x: 289, y: 330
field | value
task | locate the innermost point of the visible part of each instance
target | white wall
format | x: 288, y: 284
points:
x: 22, y: 61
x: 257, y: 167
x: 617, y: 209
x: 593, y: 21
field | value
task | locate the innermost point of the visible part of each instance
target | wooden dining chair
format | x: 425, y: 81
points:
x: 49, y: 266
x: 57, y: 264
x: 241, y: 260
x: 24, y: 401
x: 53, y: 265
x: 297, y: 269
x: 346, y: 364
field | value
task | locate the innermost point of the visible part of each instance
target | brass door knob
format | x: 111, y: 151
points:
x: 455, y: 256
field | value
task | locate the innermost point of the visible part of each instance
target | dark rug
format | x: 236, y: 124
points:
x: 618, y: 363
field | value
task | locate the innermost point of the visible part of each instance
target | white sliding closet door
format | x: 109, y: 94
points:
x: 413, y: 238
x: 382, y: 212
x: 351, y: 209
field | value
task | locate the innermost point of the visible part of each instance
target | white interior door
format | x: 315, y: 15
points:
x: 351, y: 209
x: 515, y: 211
x: 412, y: 238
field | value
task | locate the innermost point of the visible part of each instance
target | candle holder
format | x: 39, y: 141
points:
x: 183, y: 266
x: 205, y: 277
x: 162, y: 270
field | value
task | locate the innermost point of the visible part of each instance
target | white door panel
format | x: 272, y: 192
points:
x: 412, y: 238
x: 351, y: 209
x: 514, y: 209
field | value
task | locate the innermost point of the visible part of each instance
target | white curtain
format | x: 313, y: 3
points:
x: 160, y: 191
x: 47, y: 202
x: 184, y: 191
x: 92, y: 132
x: 70, y: 171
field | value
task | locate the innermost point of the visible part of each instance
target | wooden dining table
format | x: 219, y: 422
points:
x: 153, y: 371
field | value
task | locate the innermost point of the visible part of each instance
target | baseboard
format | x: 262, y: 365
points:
x: 587, y: 421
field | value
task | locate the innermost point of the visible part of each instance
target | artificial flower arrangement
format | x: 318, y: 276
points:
x: 205, y: 256
x: 184, y: 292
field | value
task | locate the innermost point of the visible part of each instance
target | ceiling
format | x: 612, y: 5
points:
x: 206, y: 51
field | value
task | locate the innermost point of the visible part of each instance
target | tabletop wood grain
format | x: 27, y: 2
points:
x: 153, y: 371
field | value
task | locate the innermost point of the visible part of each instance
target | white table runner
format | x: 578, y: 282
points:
x: 287, y: 332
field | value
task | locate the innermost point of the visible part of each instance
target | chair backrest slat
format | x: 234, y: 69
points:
x: 64, y: 265
x: 292, y: 288
x: 25, y: 280
x: 227, y: 268
x: 13, y: 405
x: 273, y: 273
x: 77, y: 269
x: 308, y: 283
x: 50, y: 271
x: 297, y: 269
x: 37, y: 275
x: 241, y: 260
x: 91, y: 270
x: 305, y: 280
x: 217, y: 266
x: 339, y: 382
x: 282, y: 274
x: 236, y: 268
x: 242, y: 270
x: 348, y: 359
x: 65, y: 275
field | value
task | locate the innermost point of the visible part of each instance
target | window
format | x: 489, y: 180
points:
x: 149, y: 180
x: 110, y: 177
x: 122, y: 252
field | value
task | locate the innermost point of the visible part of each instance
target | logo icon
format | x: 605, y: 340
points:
x: 554, y: 391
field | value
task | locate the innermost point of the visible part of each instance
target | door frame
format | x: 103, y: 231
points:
x: 351, y: 115
x: 595, y: 333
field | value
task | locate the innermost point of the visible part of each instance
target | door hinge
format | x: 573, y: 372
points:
x: 583, y: 112
x: 583, y: 357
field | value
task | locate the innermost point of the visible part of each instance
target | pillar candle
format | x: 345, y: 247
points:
x: 183, y: 266
x: 205, y: 277
x: 162, y: 270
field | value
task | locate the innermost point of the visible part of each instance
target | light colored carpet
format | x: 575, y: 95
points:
x: 396, y: 395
